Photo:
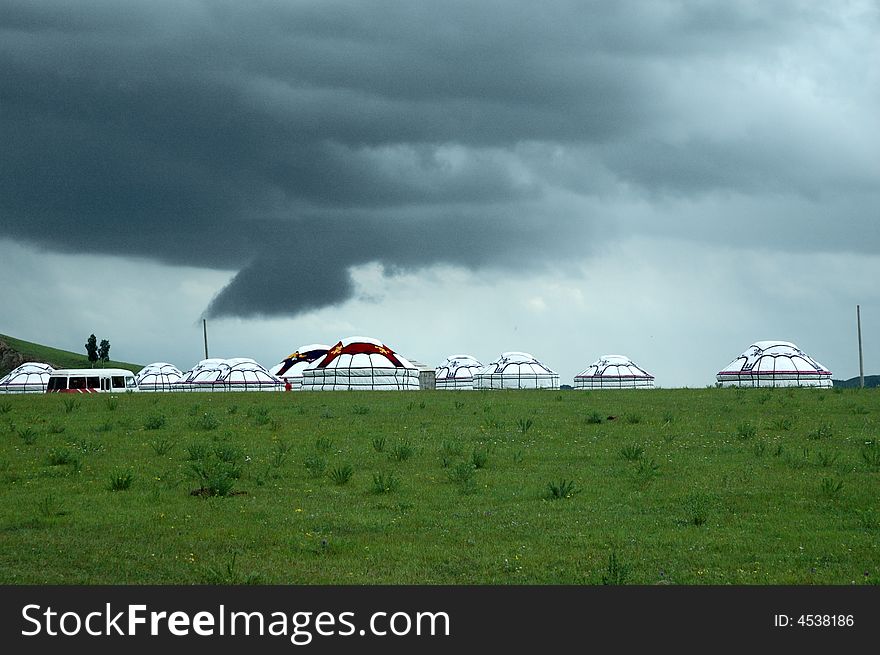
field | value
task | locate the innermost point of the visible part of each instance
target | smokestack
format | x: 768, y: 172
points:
x: 205, y: 329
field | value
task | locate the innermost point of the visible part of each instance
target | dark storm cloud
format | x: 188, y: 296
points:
x: 292, y: 141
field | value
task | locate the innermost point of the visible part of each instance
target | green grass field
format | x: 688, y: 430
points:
x: 58, y: 358
x: 710, y: 486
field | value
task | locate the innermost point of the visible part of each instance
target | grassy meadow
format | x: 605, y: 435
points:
x: 707, y: 486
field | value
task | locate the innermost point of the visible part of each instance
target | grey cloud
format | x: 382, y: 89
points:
x: 218, y: 134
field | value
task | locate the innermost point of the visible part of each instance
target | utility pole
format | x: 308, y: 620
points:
x: 205, y: 329
x: 861, y: 361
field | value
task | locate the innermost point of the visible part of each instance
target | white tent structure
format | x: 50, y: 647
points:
x: 291, y: 368
x: 360, y: 363
x: 237, y: 374
x: 457, y: 372
x: 159, y: 376
x: 30, y: 377
x: 774, y: 364
x: 516, y: 370
x: 614, y: 372
x: 246, y: 375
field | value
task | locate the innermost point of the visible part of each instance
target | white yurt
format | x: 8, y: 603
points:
x: 245, y: 374
x: 457, y: 372
x: 236, y: 374
x: 159, y: 376
x: 290, y: 369
x: 30, y: 377
x: 614, y: 372
x: 516, y: 370
x: 360, y: 363
x: 207, y: 375
x: 774, y: 364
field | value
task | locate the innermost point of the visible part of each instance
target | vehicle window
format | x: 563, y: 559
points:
x: 94, y: 383
x: 77, y: 383
x: 129, y: 382
x: 118, y: 382
x: 57, y: 384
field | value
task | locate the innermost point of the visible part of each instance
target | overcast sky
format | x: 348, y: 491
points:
x: 668, y: 180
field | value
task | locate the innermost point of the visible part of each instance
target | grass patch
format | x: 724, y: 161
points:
x: 720, y: 510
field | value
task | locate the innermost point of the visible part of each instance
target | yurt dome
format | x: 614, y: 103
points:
x: 159, y: 376
x: 774, y: 364
x: 291, y: 368
x: 360, y: 363
x: 516, y: 370
x: 247, y: 375
x: 457, y: 372
x: 30, y: 377
x: 236, y: 374
x: 614, y: 372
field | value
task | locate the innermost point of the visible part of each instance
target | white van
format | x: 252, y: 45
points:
x: 91, y: 380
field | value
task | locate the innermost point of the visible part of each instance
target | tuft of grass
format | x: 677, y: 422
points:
x: 746, y: 430
x: 826, y: 460
x: 480, y: 457
x: 111, y: 403
x: 385, y: 483
x: 106, y: 426
x: 562, y: 489
x: 759, y: 448
x: 697, y: 507
x: 360, y: 410
x: 341, y: 474
x: 402, y: 451
x: 49, y: 506
x: 870, y: 452
x: 215, y: 476
x: 633, y: 419
x: 315, y: 465
x: 196, y: 451
x: 228, y: 454
x: 5, y: 408
x: 206, y: 422
x: 162, y: 446
x: 594, y: 418
x: 154, y: 422
x: 783, y: 423
x: 59, y: 457
x: 616, y: 572
x: 524, y: 424
x: 821, y: 432
x: 323, y: 444
x: 647, y: 469
x: 27, y: 435
x: 120, y: 481
x: 461, y: 472
x: 632, y: 452
x: 280, y: 450
x: 55, y: 428
x: 71, y: 405
x: 830, y: 487
x: 379, y: 444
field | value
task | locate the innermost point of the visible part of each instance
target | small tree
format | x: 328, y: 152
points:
x: 104, y: 351
x: 92, y: 349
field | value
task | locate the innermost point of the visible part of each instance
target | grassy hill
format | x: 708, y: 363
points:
x: 14, y: 352
x: 871, y: 381
x: 702, y: 486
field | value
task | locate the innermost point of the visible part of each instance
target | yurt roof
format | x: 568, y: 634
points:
x: 614, y: 366
x: 361, y: 352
